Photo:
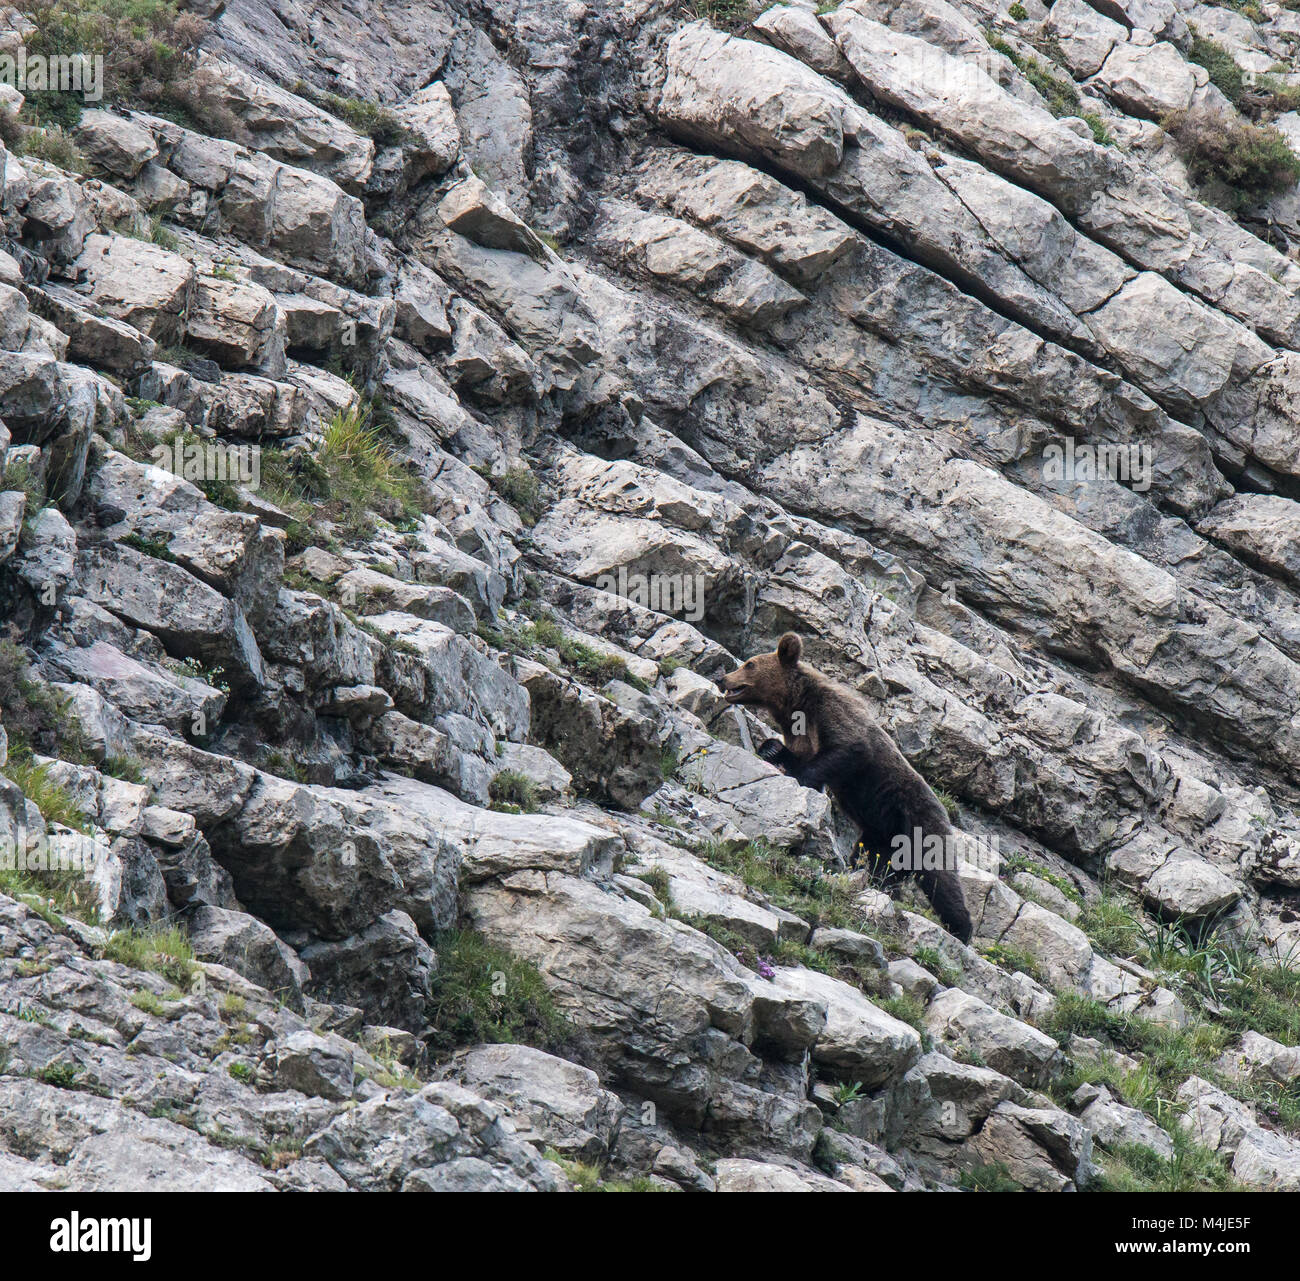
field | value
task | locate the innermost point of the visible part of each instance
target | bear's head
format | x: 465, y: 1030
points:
x: 765, y: 680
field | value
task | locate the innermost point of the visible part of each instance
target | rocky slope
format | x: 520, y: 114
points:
x: 336, y: 440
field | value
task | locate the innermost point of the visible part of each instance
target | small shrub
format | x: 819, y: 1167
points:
x: 520, y: 488
x: 1239, y: 164
x: 154, y: 547
x: 1133, y: 1167
x: 591, y: 665
x: 803, y: 886
x: 907, y: 1009
x: 21, y: 476
x: 241, y: 1071
x: 949, y: 803
x: 1225, y: 75
x: 1111, y: 924
x: 1010, y: 958
x: 510, y: 787
x: 670, y: 759
x: 1100, y: 134
x: 149, y: 48
x: 657, y: 879
x: 365, y: 117
x: 54, y: 801
x: 1017, y: 12
x: 127, y: 768
x: 54, y: 146
x: 988, y: 1178
x: 60, y: 1074
x: 732, y: 13
x: 584, y: 1176
x: 933, y: 960
x: 483, y: 993
x: 161, y: 236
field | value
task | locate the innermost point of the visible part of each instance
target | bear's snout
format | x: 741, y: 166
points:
x: 733, y: 686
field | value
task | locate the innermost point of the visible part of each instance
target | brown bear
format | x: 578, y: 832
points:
x: 832, y: 740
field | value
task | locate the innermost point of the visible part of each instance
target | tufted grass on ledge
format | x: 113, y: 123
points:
x: 513, y: 792
x: 351, y: 479
x: 483, y: 993
x: 161, y: 949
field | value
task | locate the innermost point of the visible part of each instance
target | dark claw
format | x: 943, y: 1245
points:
x: 771, y: 749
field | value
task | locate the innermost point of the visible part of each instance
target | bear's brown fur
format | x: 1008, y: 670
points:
x: 832, y: 740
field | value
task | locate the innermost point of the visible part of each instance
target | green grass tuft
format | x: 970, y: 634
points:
x: 483, y: 993
x: 511, y: 788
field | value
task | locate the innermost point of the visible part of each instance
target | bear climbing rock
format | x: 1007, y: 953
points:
x: 832, y: 740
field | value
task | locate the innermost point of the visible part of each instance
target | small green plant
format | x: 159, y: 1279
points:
x: 907, y: 1009
x: 162, y: 236
x: 1017, y: 12
x: 60, y: 1074
x: 21, y: 476
x: 521, y: 489
x: 588, y: 1177
x: 949, y: 803
x: 127, y: 768
x: 54, y: 146
x: 1013, y: 959
x: 1225, y: 75
x: 241, y: 1071
x: 588, y: 663
x: 52, y: 895
x: 367, y: 117
x: 1111, y: 924
x: 352, y: 479
x: 584, y: 1176
x: 1100, y: 134
x: 149, y: 49
x: 162, y: 950
x: 934, y: 961
x: 657, y: 879
x: 1133, y: 1167
x: 995, y: 1177
x: 54, y: 801
x: 800, y: 885
x: 150, y: 1003
x: 1237, y: 164
x: 511, y: 788
x: 1059, y: 93
x: 36, y: 717
x: 1018, y: 863
x: 670, y: 759
x: 848, y: 1092
x: 154, y: 547
x: 282, y: 765
x: 729, y: 14
x: 483, y: 993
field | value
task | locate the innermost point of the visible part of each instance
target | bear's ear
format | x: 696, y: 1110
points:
x: 789, y: 649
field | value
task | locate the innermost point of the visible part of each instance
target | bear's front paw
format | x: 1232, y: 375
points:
x: 772, y: 750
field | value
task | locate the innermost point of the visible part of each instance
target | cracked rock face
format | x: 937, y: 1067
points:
x: 393, y: 459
